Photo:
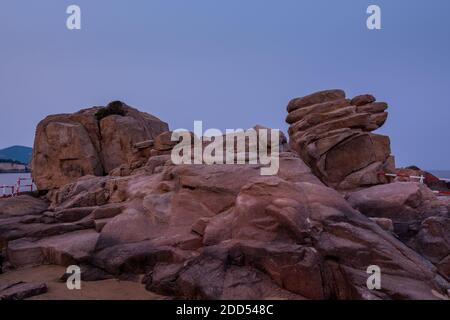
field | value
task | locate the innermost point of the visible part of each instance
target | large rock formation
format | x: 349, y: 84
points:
x: 69, y: 146
x: 21, y: 290
x: 333, y: 136
x: 224, y: 231
x: 220, y: 232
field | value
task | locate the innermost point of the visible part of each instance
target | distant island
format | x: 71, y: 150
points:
x: 15, y: 159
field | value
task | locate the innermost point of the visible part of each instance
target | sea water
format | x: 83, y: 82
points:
x: 10, y: 179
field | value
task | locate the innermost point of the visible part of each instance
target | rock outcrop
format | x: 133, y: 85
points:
x: 70, y: 146
x: 21, y: 290
x: 223, y: 231
x: 407, y: 204
x: 419, y: 218
x: 332, y: 134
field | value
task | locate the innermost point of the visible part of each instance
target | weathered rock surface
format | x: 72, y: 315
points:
x: 226, y: 232
x: 407, y: 204
x: 65, y: 249
x: 21, y: 206
x: 333, y: 136
x: 69, y: 146
x: 433, y: 240
x: 302, y: 237
x: 419, y: 218
x: 21, y: 290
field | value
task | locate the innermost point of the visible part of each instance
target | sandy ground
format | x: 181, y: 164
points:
x: 111, y: 289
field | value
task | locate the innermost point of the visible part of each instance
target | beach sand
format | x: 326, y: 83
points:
x: 110, y: 289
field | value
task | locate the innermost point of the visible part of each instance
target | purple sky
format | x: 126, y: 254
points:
x: 230, y: 63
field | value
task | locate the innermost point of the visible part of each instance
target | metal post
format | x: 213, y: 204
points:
x: 18, y: 187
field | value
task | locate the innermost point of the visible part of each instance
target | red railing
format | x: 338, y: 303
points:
x: 421, y: 179
x: 17, y: 189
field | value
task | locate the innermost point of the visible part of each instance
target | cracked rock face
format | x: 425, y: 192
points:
x: 333, y: 135
x: 70, y: 146
x: 224, y: 231
x: 221, y: 232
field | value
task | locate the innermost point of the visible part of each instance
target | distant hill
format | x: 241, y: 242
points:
x: 17, y: 153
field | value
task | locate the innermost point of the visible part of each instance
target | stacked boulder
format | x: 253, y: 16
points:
x: 333, y: 135
x: 217, y: 231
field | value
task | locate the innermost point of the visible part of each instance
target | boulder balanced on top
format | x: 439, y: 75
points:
x: 332, y: 134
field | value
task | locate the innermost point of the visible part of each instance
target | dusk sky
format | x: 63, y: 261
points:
x: 229, y: 63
